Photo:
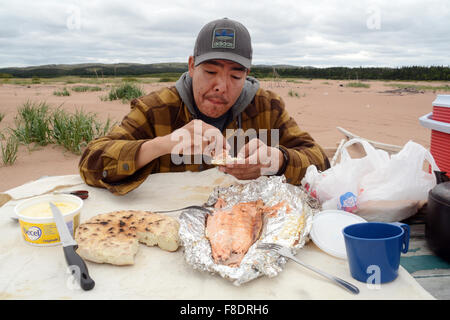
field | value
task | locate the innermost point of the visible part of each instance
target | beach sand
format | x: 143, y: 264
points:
x: 320, y: 107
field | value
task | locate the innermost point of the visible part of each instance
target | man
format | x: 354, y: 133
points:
x: 180, y: 128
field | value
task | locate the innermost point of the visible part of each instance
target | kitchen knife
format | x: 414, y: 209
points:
x: 69, y: 246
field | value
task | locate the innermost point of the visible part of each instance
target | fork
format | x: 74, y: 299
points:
x: 286, y: 252
x: 206, y: 209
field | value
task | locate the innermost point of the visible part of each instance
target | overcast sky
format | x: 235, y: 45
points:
x: 305, y: 33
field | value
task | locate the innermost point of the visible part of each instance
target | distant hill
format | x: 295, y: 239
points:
x: 259, y: 71
x: 94, y: 69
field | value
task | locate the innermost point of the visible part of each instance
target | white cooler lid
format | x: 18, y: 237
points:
x: 429, y: 123
x: 326, y: 231
x: 442, y: 100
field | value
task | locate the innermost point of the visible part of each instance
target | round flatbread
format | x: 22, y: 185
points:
x: 114, y: 237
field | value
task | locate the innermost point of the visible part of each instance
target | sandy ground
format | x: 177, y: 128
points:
x: 321, y: 106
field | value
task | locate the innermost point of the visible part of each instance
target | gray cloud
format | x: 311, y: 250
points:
x: 319, y: 33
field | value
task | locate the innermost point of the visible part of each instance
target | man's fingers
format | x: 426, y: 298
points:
x: 243, y: 173
x: 216, y: 139
x: 256, y: 152
x: 249, y: 148
x: 252, y: 147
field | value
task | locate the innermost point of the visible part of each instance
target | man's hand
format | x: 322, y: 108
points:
x: 197, y: 137
x: 256, y: 159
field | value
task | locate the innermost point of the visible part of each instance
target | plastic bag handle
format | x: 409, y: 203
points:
x: 429, y: 157
x: 421, y: 154
x: 371, y: 152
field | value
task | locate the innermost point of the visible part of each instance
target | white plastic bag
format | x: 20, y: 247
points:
x: 396, y: 190
x: 338, y: 187
x: 401, y: 178
x: 378, y: 187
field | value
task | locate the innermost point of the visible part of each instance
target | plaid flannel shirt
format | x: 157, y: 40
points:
x: 109, y: 161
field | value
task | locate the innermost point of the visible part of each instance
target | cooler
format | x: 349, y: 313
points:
x: 441, y: 108
x: 440, y: 134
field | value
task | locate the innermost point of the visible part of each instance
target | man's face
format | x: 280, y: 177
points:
x: 216, y: 85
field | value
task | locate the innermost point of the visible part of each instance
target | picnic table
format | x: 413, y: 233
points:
x: 30, y: 272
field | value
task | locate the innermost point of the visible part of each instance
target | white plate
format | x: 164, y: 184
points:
x: 326, y: 231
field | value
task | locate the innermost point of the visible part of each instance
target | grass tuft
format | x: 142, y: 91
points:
x: 125, y: 92
x: 9, y: 150
x: 33, y: 124
x: 36, y: 123
x: 86, y: 88
x: 63, y: 92
x: 74, y: 131
x: 357, y: 85
x: 35, y: 80
x: 168, y: 79
x: 130, y: 79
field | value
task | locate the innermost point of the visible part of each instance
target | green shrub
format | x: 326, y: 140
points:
x: 35, y: 80
x: 129, y: 79
x: 36, y: 123
x: 75, y: 131
x: 168, y: 79
x: 86, y: 88
x: 33, y: 124
x: 125, y: 92
x: 357, y: 85
x: 63, y: 92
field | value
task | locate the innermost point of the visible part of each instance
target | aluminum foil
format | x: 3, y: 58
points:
x: 290, y: 227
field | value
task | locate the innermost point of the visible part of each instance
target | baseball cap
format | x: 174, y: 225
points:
x: 224, y: 39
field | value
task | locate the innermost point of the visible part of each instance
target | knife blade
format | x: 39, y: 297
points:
x: 69, y: 247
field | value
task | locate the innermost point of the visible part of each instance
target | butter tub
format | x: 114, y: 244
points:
x: 36, y: 219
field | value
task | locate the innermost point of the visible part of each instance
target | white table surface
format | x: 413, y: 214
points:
x: 30, y: 272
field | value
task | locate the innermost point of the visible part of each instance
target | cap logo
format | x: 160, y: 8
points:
x: 223, y: 38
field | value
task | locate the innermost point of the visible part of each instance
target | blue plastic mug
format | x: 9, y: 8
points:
x: 374, y: 248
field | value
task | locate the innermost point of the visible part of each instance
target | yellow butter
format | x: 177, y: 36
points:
x: 42, y: 209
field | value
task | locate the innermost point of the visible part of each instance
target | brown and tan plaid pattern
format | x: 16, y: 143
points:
x: 109, y: 161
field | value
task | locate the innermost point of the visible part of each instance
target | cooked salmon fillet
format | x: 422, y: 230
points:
x: 232, y: 232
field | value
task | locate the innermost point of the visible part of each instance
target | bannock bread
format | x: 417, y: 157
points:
x: 114, y: 237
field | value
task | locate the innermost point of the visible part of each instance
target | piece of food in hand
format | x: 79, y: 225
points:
x: 114, y: 237
x: 223, y: 159
x: 232, y: 232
